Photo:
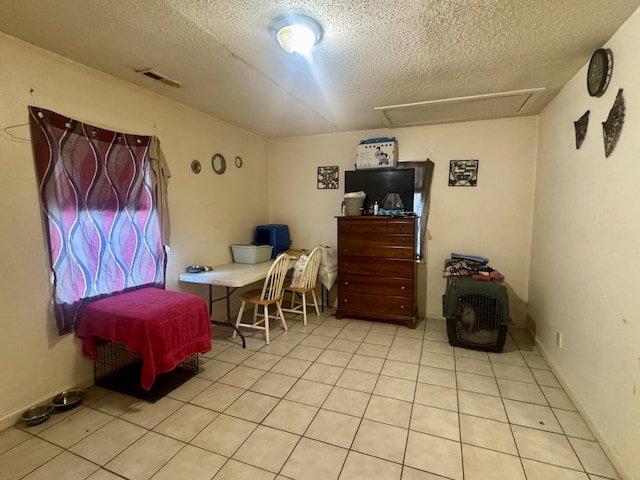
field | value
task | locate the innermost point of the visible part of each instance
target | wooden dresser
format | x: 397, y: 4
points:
x: 377, y: 268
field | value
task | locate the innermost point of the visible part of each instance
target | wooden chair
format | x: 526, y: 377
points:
x: 305, y: 284
x: 270, y: 294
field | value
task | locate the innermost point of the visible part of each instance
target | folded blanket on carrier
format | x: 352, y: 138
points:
x: 474, y: 266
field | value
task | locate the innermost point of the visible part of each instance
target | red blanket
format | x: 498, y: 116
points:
x: 163, y: 326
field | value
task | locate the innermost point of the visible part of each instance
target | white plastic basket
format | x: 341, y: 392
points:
x: 251, y: 253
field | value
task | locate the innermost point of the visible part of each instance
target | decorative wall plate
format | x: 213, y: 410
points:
x: 238, y: 162
x: 218, y: 163
x: 196, y: 167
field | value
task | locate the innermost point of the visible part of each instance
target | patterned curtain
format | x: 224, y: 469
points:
x: 99, y: 210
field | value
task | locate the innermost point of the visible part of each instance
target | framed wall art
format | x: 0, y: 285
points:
x: 463, y: 173
x: 328, y: 177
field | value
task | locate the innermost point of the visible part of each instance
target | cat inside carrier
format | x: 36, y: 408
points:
x: 477, y: 313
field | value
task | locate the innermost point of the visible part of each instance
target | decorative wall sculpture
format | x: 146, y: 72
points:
x: 612, y: 128
x: 581, y: 125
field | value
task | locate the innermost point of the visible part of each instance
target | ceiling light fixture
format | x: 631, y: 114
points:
x: 297, y: 33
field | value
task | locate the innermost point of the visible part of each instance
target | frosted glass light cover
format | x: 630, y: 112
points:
x: 296, y: 33
x: 296, y: 38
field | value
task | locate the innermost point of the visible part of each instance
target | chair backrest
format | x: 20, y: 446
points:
x: 310, y: 271
x: 272, y: 289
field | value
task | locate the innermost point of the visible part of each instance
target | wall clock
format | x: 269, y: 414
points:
x: 218, y: 163
x: 599, y: 72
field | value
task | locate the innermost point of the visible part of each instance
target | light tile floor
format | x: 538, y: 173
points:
x: 337, y: 399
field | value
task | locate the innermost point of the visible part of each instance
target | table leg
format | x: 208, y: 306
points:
x: 229, y: 322
x: 233, y: 325
x: 323, y: 290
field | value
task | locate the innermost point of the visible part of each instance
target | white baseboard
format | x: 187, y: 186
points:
x: 14, y: 418
x: 616, y: 461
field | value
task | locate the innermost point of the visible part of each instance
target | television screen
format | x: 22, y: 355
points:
x: 377, y: 182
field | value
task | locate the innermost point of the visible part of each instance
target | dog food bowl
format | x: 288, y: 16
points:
x: 68, y: 399
x: 37, y: 415
x: 198, y: 268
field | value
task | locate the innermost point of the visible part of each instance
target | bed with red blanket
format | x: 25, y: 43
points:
x: 163, y: 326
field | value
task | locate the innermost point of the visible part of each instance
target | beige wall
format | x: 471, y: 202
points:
x: 208, y: 212
x: 492, y: 219
x: 584, y: 263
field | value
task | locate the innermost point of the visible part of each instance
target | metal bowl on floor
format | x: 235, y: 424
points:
x: 37, y: 415
x: 68, y: 399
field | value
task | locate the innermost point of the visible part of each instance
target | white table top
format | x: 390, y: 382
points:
x: 230, y: 274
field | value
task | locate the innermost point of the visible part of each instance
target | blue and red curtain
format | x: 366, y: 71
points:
x: 99, y: 198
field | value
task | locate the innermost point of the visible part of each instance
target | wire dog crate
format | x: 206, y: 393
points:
x: 477, y: 313
x: 119, y: 370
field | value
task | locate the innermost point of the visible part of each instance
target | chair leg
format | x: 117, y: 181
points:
x: 240, y: 312
x: 282, y: 320
x: 315, y: 302
x: 304, y: 307
x: 266, y: 323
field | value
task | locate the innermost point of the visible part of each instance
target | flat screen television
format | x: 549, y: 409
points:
x: 377, y: 182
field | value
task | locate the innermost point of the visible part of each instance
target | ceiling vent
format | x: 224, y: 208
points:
x: 159, y: 77
x: 461, y: 109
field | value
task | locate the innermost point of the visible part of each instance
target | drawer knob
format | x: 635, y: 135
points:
x: 402, y: 287
x: 345, y: 300
x: 346, y: 283
x: 401, y: 307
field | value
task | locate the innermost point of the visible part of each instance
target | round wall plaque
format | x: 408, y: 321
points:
x: 218, y: 163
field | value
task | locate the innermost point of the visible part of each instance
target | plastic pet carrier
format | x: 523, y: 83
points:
x: 477, y: 313
x: 275, y: 235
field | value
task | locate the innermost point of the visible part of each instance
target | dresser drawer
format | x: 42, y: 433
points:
x: 401, y: 287
x: 401, y: 226
x: 376, y: 306
x: 347, y: 226
x: 390, y: 267
x: 379, y: 246
x: 379, y: 224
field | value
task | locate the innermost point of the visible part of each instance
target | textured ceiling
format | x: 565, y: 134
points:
x: 374, y: 54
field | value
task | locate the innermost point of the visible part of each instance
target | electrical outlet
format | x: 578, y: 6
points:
x: 559, y: 339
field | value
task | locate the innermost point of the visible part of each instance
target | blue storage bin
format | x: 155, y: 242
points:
x: 275, y: 235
